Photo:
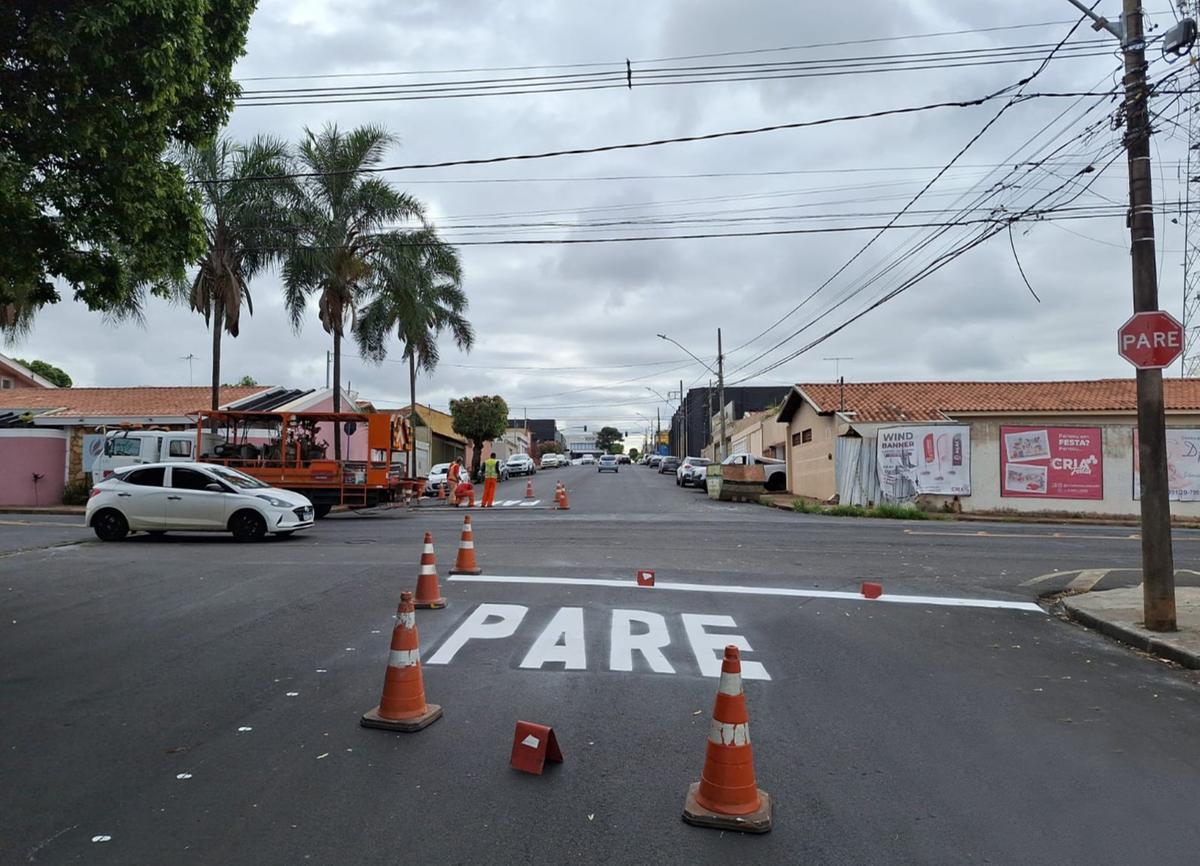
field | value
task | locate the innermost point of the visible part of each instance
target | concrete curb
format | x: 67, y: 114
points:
x: 55, y: 509
x: 1131, y: 635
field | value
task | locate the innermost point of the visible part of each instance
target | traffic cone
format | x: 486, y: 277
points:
x: 727, y: 796
x: 402, y: 706
x: 529, y: 489
x: 558, y: 489
x: 429, y: 595
x: 563, y: 504
x: 465, y: 563
x: 442, y: 489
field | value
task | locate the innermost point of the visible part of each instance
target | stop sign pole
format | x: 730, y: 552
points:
x: 1158, y: 561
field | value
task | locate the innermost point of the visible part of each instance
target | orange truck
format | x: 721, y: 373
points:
x: 294, y: 450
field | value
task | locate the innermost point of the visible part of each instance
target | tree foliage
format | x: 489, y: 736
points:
x: 343, y: 239
x: 244, y: 217
x: 47, y: 371
x: 478, y: 419
x: 634, y: 454
x: 545, y: 448
x: 93, y: 96
x: 607, y: 437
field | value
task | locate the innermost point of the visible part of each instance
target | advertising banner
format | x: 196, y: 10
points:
x: 934, y: 458
x: 1183, y: 464
x: 1052, y: 462
x: 93, y: 447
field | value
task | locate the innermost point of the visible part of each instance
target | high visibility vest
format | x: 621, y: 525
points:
x: 491, y: 468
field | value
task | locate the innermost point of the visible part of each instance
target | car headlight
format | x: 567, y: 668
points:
x: 274, y: 500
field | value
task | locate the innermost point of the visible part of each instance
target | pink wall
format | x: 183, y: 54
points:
x: 24, y: 452
x: 357, y: 449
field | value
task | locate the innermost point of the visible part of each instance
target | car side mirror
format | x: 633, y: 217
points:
x: 214, y: 487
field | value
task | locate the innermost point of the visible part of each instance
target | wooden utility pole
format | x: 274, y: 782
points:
x: 721, y: 391
x: 1158, y: 559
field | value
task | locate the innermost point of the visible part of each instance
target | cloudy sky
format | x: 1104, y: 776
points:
x: 568, y: 330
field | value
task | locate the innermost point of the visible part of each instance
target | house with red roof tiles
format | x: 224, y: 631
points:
x: 1060, y: 446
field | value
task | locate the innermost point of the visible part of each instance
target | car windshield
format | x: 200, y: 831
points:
x: 237, y: 479
x: 440, y: 469
x: 518, y: 458
x: 699, y: 461
x: 608, y: 458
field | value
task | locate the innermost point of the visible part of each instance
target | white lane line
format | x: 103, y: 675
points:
x: 755, y: 590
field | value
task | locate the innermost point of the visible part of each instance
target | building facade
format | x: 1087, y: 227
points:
x: 1045, y: 447
x: 693, y: 423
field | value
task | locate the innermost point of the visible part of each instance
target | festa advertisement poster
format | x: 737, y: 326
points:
x: 1183, y: 464
x: 933, y: 458
x: 1052, y: 462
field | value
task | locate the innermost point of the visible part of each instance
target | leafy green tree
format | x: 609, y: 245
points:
x: 634, y: 454
x: 244, y: 217
x: 479, y: 419
x: 420, y: 297
x: 343, y: 220
x: 545, y: 448
x: 607, y: 437
x: 245, y: 381
x: 47, y: 371
x: 93, y: 96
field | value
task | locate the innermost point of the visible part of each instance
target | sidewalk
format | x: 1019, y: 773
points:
x: 1118, y: 614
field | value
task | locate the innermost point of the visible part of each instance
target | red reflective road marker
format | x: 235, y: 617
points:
x: 872, y: 590
x: 533, y: 746
x: 645, y: 577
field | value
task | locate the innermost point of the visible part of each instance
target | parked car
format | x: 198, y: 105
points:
x: 587, y: 460
x: 193, y: 497
x: 654, y: 460
x: 436, y: 479
x: 608, y: 463
x: 520, y: 464
x: 692, y: 471
x: 624, y: 458
x: 668, y: 464
x: 549, y: 461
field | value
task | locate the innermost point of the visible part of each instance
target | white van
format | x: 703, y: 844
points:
x: 129, y: 447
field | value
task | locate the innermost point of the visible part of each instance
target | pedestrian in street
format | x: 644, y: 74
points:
x: 452, y: 479
x: 491, y: 475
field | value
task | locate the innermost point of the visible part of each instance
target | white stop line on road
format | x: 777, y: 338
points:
x: 928, y: 600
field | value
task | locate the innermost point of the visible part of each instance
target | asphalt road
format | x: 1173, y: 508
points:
x: 197, y: 701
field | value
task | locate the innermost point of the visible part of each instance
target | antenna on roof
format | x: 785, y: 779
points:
x: 189, y: 358
x: 837, y: 374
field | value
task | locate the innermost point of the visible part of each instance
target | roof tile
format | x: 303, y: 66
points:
x: 120, y: 402
x: 875, y: 402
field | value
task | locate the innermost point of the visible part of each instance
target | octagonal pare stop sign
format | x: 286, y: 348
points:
x: 1150, y: 340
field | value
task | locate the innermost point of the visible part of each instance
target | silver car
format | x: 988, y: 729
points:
x: 193, y: 497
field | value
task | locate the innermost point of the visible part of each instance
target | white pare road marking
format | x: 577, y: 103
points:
x: 787, y: 592
x: 563, y: 640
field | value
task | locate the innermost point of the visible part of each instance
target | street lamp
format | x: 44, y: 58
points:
x: 719, y: 373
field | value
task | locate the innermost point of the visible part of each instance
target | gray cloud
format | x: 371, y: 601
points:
x: 570, y: 306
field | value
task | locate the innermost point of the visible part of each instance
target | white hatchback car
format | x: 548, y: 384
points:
x: 193, y: 497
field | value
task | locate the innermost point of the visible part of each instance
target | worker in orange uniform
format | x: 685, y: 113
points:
x: 465, y: 491
x: 491, y: 476
x: 452, y: 480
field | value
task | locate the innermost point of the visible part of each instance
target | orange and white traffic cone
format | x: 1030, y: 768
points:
x: 402, y: 706
x: 465, y: 563
x: 563, y: 505
x: 442, y: 490
x: 727, y: 796
x: 429, y: 595
x: 558, y: 493
x: 529, y: 489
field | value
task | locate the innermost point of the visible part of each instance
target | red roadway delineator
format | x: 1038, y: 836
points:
x: 872, y: 590
x: 727, y: 796
x: 533, y: 746
x: 645, y: 577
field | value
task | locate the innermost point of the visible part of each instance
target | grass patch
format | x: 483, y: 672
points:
x: 886, y: 510
x: 898, y: 512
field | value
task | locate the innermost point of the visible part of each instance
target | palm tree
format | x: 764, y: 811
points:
x: 421, y: 297
x: 244, y: 219
x: 344, y: 221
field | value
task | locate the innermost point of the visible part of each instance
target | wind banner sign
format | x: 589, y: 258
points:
x: 934, y: 458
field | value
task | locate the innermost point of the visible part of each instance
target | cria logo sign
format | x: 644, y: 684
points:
x: 1075, y: 467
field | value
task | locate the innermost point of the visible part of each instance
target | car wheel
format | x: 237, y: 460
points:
x: 321, y: 511
x: 110, y: 525
x: 247, y: 526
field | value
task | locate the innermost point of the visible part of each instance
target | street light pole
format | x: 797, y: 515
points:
x: 721, y: 390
